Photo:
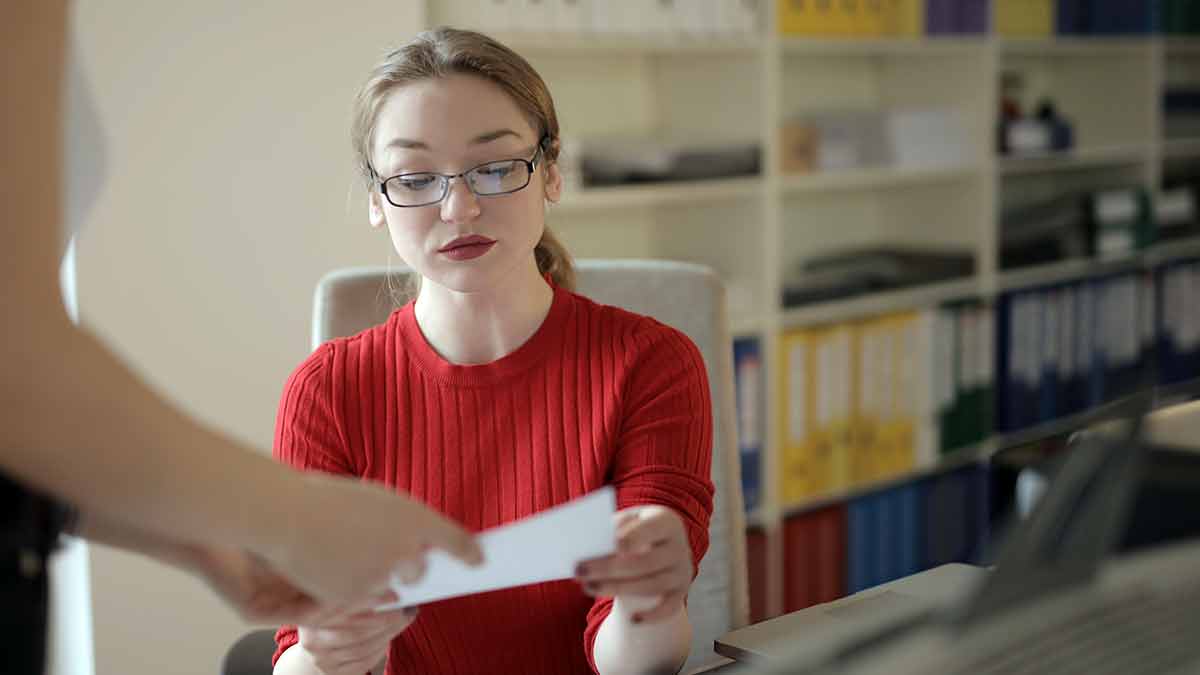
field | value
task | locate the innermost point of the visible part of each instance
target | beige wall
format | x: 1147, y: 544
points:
x: 227, y: 196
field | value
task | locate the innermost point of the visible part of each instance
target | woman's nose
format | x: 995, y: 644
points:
x: 460, y: 204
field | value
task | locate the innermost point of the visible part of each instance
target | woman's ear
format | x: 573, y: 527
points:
x: 554, y: 182
x: 375, y: 209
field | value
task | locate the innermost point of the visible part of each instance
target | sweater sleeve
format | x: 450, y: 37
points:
x: 308, y: 438
x: 664, y: 447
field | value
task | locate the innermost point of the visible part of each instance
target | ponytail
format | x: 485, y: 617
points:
x: 553, y: 259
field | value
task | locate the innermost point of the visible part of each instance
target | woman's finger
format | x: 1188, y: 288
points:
x: 653, y: 584
x: 624, y: 566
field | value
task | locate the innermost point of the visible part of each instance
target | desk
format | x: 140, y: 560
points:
x: 822, y: 625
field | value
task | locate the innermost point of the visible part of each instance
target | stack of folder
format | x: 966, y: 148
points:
x: 871, y: 399
x: 814, y: 554
x: 957, y: 16
x: 757, y: 572
x: 1024, y: 18
x: 1068, y: 347
x: 1113, y: 17
x: 1178, y: 324
x: 852, y: 18
x: 964, y: 377
x: 748, y: 380
x: 1179, y: 17
x: 887, y: 534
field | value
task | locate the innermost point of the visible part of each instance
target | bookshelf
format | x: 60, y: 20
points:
x: 754, y: 230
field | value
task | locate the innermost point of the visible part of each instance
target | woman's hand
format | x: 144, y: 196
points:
x: 652, y: 567
x: 355, y: 644
x: 346, y: 540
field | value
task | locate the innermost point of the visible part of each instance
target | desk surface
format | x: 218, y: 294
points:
x: 769, y: 640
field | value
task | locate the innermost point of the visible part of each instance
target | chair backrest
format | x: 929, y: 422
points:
x: 687, y: 297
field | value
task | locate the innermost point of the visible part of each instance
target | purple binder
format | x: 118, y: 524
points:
x: 974, y: 16
x: 939, y: 16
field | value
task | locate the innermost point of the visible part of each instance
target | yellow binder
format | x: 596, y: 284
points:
x: 796, y: 478
x: 904, y: 18
x: 818, y: 18
x: 1024, y: 18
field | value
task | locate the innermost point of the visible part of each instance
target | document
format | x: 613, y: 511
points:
x: 543, y: 547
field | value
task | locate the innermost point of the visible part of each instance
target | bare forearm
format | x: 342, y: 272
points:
x: 102, y: 530
x: 625, y: 647
x: 74, y: 421
x: 79, y: 425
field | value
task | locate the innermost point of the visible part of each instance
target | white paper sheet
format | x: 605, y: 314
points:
x: 543, y: 547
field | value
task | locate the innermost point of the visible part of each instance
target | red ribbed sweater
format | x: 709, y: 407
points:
x: 597, y: 396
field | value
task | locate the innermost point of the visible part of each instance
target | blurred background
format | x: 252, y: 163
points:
x: 952, y: 231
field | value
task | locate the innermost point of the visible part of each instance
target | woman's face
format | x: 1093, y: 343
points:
x: 466, y: 243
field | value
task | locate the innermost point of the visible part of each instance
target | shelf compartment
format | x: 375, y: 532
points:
x: 1075, y: 46
x: 884, y: 302
x: 881, y: 177
x: 659, y: 194
x: 1078, y: 159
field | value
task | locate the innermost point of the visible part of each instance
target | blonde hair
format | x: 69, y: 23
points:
x: 448, y: 51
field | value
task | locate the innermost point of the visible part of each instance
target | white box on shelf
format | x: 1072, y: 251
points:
x: 927, y: 138
x: 849, y: 139
x: 1027, y: 137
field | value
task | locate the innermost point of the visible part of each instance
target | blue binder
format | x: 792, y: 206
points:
x: 747, y: 354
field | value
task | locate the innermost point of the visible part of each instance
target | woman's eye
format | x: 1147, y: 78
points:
x: 415, y: 182
x: 496, y: 170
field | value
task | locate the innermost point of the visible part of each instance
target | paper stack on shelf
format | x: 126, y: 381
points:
x: 904, y: 138
x: 626, y: 160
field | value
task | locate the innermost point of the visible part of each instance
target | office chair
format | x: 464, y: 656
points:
x: 687, y: 297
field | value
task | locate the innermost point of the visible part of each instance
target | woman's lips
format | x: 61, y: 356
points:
x: 467, y: 248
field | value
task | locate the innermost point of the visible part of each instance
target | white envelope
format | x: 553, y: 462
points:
x: 543, y: 547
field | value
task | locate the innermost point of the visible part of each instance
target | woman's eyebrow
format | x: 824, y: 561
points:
x: 494, y: 135
x: 488, y: 137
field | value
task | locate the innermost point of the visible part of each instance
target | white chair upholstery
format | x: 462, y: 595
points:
x: 687, y: 297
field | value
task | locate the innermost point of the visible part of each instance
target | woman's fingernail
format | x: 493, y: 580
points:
x: 581, y: 570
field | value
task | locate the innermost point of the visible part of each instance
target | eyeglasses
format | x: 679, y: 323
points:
x: 423, y: 188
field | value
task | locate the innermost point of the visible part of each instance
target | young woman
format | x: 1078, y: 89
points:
x: 498, y: 392
x: 77, y: 427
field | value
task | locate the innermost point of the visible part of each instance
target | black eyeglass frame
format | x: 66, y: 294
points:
x: 531, y: 164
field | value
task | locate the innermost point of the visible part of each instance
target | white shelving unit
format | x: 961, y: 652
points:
x: 752, y: 230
